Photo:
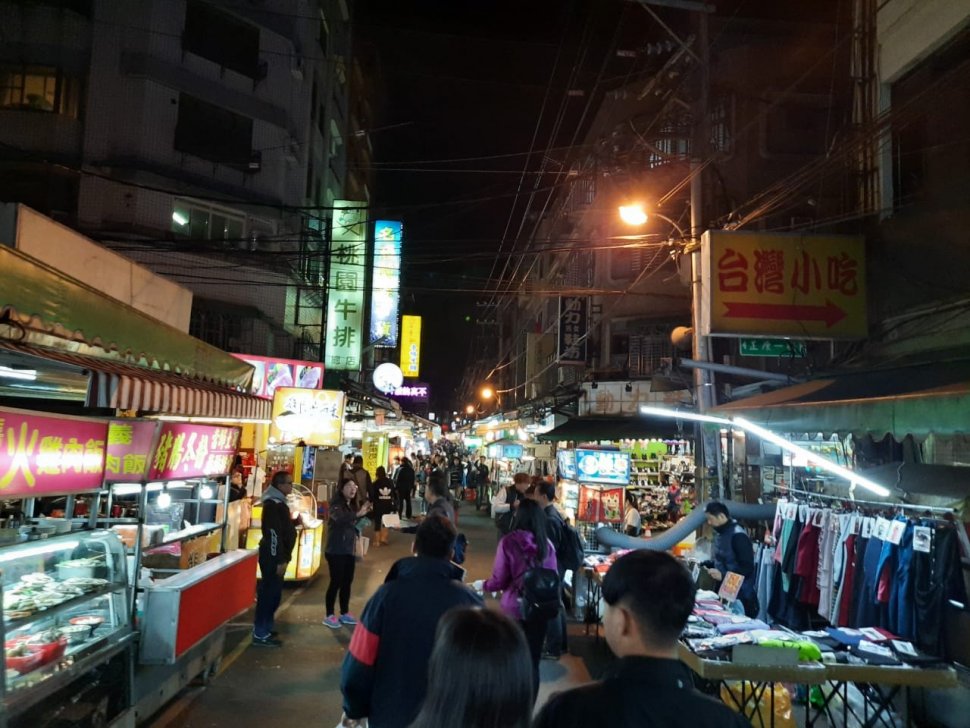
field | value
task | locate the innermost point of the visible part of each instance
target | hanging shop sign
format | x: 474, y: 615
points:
x: 566, y: 460
x: 506, y: 452
x: 771, y: 284
x: 129, y: 450
x: 348, y: 273
x: 573, y: 329
x: 313, y: 416
x: 269, y: 373
x: 772, y: 348
x: 374, y: 451
x: 388, y: 377
x: 187, y: 450
x: 411, y: 345
x: 386, y: 289
x: 42, y: 455
x: 603, y: 466
x: 417, y: 391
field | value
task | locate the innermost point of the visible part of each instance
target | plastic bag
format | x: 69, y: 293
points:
x: 361, y: 546
x: 759, y: 715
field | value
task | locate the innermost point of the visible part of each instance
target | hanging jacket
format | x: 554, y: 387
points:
x: 516, y: 554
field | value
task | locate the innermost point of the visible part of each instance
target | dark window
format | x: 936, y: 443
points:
x: 213, y: 133
x: 221, y: 37
x: 39, y: 88
x: 798, y: 126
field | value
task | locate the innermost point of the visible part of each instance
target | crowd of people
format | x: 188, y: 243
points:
x: 426, y: 652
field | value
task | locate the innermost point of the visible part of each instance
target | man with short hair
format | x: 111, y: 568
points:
x: 734, y: 552
x: 649, y: 596
x: 360, y: 476
x: 346, y: 469
x: 544, y: 494
x: 384, y: 675
x: 275, y: 551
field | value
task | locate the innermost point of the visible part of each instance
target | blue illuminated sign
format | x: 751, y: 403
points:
x: 385, y: 294
x: 603, y: 466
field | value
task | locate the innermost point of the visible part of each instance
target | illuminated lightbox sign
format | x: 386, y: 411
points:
x: 411, y: 345
x: 385, y: 292
x: 412, y: 391
x: 603, y: 466
x: 348, y: 273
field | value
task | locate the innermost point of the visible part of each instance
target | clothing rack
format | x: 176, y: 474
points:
x: 882, y: 504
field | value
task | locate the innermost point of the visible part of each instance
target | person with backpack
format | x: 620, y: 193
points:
x: 544, y: 494
x: 526, y: 573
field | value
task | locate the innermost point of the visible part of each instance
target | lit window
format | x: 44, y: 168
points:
x: 199, y: 222
x: 39, y: 88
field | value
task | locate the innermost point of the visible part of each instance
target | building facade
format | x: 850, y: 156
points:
x: 204, y: 140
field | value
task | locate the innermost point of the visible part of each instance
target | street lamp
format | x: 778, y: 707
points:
x: 636, y: 215
x: 487, y: 392
x: 470, y: 409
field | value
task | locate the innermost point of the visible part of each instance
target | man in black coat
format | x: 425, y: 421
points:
x: 649, y: 596
x: 384, y: 675
x: 275, y: 552
x: 405, y: 487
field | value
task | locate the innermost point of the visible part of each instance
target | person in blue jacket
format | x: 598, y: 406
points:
x: 384, y: 674
x: 734, y: 552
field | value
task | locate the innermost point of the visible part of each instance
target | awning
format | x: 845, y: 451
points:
x: 593, y: 428
x: 129, y: 387
x: 51, y: 309
x: 917, y: 400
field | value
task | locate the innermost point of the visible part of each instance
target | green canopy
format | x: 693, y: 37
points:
x: 40, y: 305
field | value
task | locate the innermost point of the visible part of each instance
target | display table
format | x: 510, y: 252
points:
x: 884, y: 685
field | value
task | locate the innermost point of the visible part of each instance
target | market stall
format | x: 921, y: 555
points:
x: 169, y: 505
x: 66, y: 594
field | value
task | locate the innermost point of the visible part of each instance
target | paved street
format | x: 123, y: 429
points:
x: 298, y: 685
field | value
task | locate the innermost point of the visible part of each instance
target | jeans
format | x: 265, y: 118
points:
x: 341, y: 577
x: 269, y: 592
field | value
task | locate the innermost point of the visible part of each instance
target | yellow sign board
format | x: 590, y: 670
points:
x: 411, y: 345
x: 784, y: 284
x: 315, y: 416
x: 374, y: 451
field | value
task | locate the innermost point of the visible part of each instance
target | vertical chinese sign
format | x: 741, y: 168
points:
x: 386, y: 290
x: 768, y: 284
x: 129, y: 450
x: 374, y: 451
x: 573, y: 329
x: 411, y: 345
x: 191, y: 451
x: 345, y: 294
x: 49, y: 455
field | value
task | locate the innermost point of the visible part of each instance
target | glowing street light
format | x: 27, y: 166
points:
x: 633, y: 214
x: 487, y: 392
x: 470, y: 409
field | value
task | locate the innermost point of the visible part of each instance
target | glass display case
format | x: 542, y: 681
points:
x: 65, y: 608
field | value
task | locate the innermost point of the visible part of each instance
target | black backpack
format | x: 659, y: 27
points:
x: 540, y: 594
x: 570, y: 556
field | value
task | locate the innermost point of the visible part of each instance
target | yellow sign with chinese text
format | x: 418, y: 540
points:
x: 783, y: 284
x: 411, y: 345
x: 374, y: 451
x: 315, y: 416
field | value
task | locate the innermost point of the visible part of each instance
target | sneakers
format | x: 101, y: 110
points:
x: 348, y: 619
x: 269, y: 641
x: 332, y: 622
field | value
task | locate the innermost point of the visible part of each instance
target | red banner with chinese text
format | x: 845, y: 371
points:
x: 190, y: 451
x: 44, y: 455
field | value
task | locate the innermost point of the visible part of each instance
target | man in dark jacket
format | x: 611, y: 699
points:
x: 405, y: 487
x: 734, y: 552
x: 384, y: 674
x: 649, y: 596
x: 544, y: 494
x: 361, y: 476
x: 275, y: 551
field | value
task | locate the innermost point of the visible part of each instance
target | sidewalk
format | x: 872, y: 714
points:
x: 299, y: 684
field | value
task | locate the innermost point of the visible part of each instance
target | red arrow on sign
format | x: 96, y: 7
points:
x: 829, y: 313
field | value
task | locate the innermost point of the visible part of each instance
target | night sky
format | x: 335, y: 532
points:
x: 463, y: 79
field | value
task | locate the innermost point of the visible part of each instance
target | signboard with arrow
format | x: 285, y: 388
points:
x: 770, y: 284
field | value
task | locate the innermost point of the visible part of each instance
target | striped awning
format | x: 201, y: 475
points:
x: 118, y: 385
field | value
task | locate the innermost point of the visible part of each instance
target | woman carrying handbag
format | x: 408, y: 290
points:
x: 339, y: 551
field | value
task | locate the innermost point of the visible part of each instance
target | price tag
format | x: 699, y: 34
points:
x: 730, y: 587
x: 922, y: 539
x: 867, y: 526
x: 882, y: 528
x: 896, y: 532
